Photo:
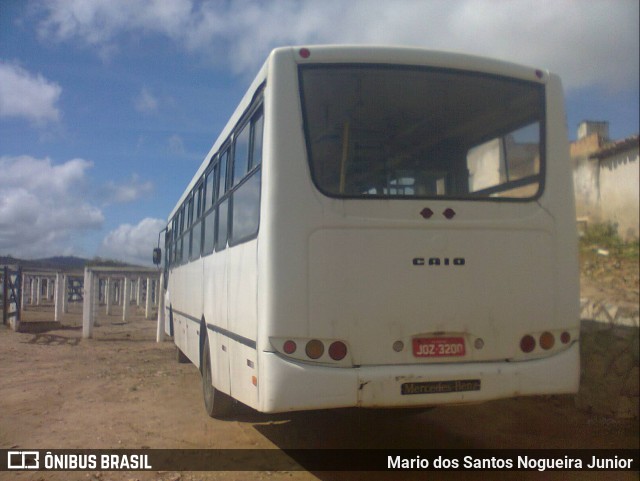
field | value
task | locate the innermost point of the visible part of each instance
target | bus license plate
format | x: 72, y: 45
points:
x: 438, y: 346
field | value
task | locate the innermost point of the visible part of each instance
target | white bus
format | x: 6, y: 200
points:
x: 380, y: 227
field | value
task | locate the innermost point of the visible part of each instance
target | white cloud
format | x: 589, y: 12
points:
x: 133, y: 243
x: 588, y: 43
x: 145, y: 102
x: 42, y: 206
x: 127, y: 192
x: 27, y: 96
x: 176, y: 145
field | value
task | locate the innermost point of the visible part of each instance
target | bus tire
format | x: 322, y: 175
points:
x: 216, y: 403
x: 181, y: 357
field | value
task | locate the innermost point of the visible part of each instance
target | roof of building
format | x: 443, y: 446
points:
x: 613, y: 148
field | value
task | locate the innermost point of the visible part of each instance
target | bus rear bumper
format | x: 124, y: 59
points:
x: 290, y: 386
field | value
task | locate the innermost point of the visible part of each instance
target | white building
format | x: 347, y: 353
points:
x: 606, y: 178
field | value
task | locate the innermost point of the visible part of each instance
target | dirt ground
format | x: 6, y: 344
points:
x: 123, y: 390
x: 609, y: 277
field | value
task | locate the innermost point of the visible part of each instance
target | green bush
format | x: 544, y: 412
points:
x: 605, y: 236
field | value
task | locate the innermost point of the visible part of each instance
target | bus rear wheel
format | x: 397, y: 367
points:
x: 181, y: 357
x: 216, y: 403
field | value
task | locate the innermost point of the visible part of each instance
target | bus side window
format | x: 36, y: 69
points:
x: 209, y: 184
x: 245, y: 215
x: 199, y: 201
x: 209, y: 232
x: 189, y: 232
x: 209, y: 213
x: 241, y: 154
x: 256, y: 139
x: 174, y: 240
x: 179, y: 256
x: 222, y: 225
x: 222, y: 181
x: 245, y: 218
x: 196, y: 229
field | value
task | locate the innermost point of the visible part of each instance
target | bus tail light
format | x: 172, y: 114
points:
x: 547, y: 340
x: 314, y: 349
x: 337, y: 350
x: 289, y: 347
x: 527, y: 343
x: 324, y: 351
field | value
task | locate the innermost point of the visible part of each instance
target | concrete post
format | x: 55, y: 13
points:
x: 160, y: 334
x: 38, y: 290
x: 147, y: 308
x: 65, y: 293
x: 59, y: 294
x: 107, y: 295
x: 126, y: 294
x: 139, y: 291
x: 87, y: 305
x: 23, y: 297
x: 155, y: 292
x: 32, y: 300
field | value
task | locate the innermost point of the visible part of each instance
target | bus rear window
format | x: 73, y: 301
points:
x: 383, y: 131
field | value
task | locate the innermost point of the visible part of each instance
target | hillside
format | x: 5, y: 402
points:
x: 62, y: 263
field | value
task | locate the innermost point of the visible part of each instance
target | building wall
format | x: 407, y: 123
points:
x: 586, y: 187
x: 606, y: 190
x: 618, y: 181
x: 587, y: 145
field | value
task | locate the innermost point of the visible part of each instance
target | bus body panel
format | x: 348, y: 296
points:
x: 242, y: 289
x: 186, y: 307
x: 216, y: 288
x: 366, y: 288
x: 296, y: 386
x: 219, y: 347
x: 559, y: 201
x: 243, y: 363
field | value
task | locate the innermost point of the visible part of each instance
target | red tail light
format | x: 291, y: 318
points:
x: 337, y: 350
x: 527, y: 343
x: 289, y: 347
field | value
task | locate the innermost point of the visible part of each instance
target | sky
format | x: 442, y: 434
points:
x: 108, y: 107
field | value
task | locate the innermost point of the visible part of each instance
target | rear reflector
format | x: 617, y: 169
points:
x: 426, y: 213
x: 449, y: 213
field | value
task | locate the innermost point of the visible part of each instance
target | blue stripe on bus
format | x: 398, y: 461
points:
x: 231, y: 335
